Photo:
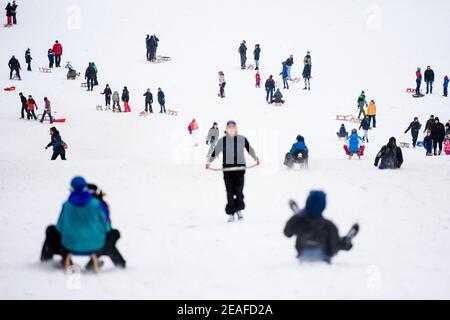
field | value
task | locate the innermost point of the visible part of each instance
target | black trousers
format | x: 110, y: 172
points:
x: 23, y: 111
x: 57, y: 60
x: 16, y: 71
x: 57, y: 153
x: 52, y: 246
x: 14, y: 15
x: 437, y: 144
x: 414, y: 138
x: 90, y: 84
x: 234, y: 184
x: 31, y: 115
x: 148, y: 107
x: 49, y: 115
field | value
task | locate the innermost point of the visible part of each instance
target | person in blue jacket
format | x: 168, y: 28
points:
x: 445, y: 86
x: 285, y: 74
x: 28, y: 59
x: 51, y: 58
x: 354, y: 145
x: 428, y: 144
x: 365, y: 125
x: 162, y: 100
x: 83, y: 228
x: 298, y: 153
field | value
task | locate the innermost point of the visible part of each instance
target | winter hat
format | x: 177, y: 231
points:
x: 436, y: 119
x: 231, y: 123
x: 316, y: 204
x: 215, y: 124
x: 300, y: 138
x: 446, y: 78
x: 418, y: 69
x: 392, y: 142
x: 354, y: 131
x: 78, y: 184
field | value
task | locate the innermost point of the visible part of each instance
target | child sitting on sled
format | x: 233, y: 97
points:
x: 355, y: 145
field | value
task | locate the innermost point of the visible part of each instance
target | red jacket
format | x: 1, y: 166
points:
x: 193, y: 126
x: 258, y: 78
x: 31, y: 104
x: 57, y: 49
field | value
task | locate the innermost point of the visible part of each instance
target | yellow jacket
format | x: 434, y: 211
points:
x: 372, y: 109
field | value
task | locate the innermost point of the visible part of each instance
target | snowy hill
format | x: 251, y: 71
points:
x: 169, y: 209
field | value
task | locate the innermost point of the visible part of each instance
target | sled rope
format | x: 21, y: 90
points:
x: 233, y: 168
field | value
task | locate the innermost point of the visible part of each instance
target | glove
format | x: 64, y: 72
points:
x: 207, y: 143
x: 46, y: 148
x: 347, y: 244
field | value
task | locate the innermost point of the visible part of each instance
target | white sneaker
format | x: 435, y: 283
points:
x: 239, y: 215
x: 231, y: 218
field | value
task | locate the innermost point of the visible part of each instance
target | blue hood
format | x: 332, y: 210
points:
x: 80, y: 198
x: 315, y: 204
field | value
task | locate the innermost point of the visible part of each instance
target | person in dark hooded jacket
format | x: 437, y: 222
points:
x: 390, y: 155
x: 14, y: 66
x: 342, y: 132
x: 317, y: 238
x: 58, y: 145
x: 148, y: 101
x: 83, y: 227
x: 28, y: 59
x: 243, y: 53
x: 298, y: 153
x: 415, y: 128
x: 90, y: 77
x: 438, y: 135
x: 9, y: 14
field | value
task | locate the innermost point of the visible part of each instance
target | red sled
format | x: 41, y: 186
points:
x: 59, y: 120
x: 10, y: 89
x: 359, y: 154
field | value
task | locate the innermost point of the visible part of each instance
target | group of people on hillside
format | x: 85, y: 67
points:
x: 436, y: 134
x: 151, y: 43
x: 115, y: 98
x: 29, y: 105
x: 428, y: 78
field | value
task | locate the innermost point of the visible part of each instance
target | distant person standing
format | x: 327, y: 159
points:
x: 445, y: 86
x: 90, y: 77
x: 372, y: 113
x: 153, y: 47
x: 58, y: 51
x: 162, y: 100
x: 285, y: 75
x: 51, y: 58
x: 108, y: 93
x: 47, y: 110
x: 362, y: 103
x: 148, y: 101
x: 429, y: 79
x: 116, y: 102
x: 28, y: 59
x: 429, y: 124
x: 23, y: 101
x: 14, y: 12
x: 59, y: 146
x: 270, y: 88
x: 256, y: 56
x: 9, y: 15
x: 418, y: 81
x: 148, y: 47
x: 438, y: 135
x: 212, y: 138
x: 126, y: 100
x: 307, y: 76
x: 222, y: 84
x: 243, y: 53
x: 289, y: 64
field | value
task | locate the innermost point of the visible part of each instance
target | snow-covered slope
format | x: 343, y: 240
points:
x: 168, y: 208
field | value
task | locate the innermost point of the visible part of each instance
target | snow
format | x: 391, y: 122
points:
x: 168, y: 208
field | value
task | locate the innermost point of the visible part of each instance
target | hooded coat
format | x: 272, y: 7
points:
x: 390, y: 155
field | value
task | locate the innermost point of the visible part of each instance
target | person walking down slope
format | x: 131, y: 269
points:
x: 418, y: 81
x: 318, y: 239
x: 285, y: 74
x: 429, y: 124
x: 24, y: 109
x: 162, y: 100
x: 289, y: 63
x: 390, y: 155
x: 58, y: 51
x: 59, y: 146
x: 428, y: 144
x: 415, y: 128
x: 31, y: 105
x: 14, y: 67
x: 47, y: 110
x: 232, y: 145
x: 270, y: 88
x: 438, y: 135
x: 212, y: 138
x: 116, y: 102
x: 256, y: 56
x: 222, y: 84
x: 28, y: 59
x: 429, y: 79
x: 243, y: 53
x: 445, y: 85
x: 84, y: 226
x: 362, y: 103
x: 365, y: 125
x: 126, y: 100
x: 89, y: 76
x: 372, y: 113
x: 148, y: 101
x: 108, y: 93
x: 51, y: 58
